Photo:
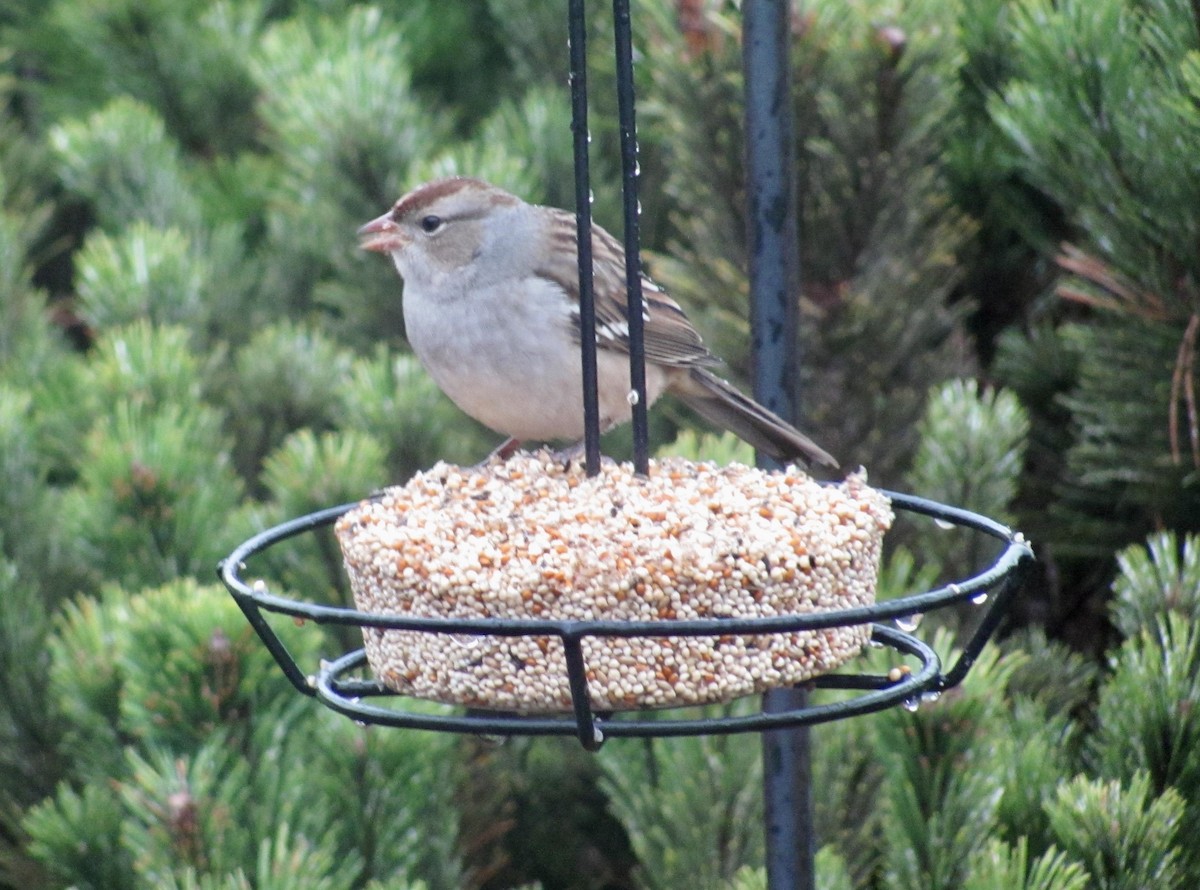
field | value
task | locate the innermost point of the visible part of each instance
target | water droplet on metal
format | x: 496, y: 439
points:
x: 931, y: 696
x: 909, y: 623
x: 979, y: 599
x: 632, y: 398
x: 943, y: 523
x: 911, y: 704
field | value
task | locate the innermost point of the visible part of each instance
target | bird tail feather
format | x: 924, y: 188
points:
x: 722, y: 404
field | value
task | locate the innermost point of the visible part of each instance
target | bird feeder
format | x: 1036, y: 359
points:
x: 599, y: 601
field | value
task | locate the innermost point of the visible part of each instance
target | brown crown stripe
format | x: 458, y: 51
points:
x: 426, y: 195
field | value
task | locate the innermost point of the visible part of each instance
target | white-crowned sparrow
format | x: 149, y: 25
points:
x: 491, y: 308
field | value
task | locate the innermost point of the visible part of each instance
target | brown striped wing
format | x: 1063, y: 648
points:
x: 669, y: 336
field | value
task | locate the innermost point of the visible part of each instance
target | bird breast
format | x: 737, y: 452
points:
x: 507, y: 356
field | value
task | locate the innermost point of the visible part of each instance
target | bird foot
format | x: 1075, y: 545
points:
x: 571, y: 453
x: 502, y: 452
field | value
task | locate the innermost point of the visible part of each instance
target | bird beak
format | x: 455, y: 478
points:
x: 381, y: 234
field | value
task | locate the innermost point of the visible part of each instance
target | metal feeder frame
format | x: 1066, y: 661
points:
x: 331, y: 685
x: 774, y: 277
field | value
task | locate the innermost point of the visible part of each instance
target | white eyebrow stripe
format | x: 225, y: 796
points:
x: 613, y: 330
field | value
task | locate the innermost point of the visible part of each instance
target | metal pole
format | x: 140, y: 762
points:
x: 577, y: 30
x: 774, y: 278
x: 623, y: 38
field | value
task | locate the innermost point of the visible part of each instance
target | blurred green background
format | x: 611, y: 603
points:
x: 1000, y: 248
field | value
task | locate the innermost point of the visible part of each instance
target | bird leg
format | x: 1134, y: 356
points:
x: 564, y: 456
x: 503, y: 451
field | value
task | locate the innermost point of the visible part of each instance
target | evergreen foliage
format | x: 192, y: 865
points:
x: 1100, y: 113
x: 942, y: 791
x: 187, y: 60
x: 1157, y: 580
x: 24, y: 343
x: 1142, y: 853
x: 30, y: 759
x: 692, y: 806
x: 869, y: 101
x: 154, y: 495
x: 285, y: 378
x: 1146, y: 721
x: 122, y: 162
x: 722, y: 450
x: 389, y: 396
x: 1001, y: 867
x: 189, y: 741
x: 971, y: 451
x: 972, y: 448
x: 505, y: 795
x: 1000, y: 216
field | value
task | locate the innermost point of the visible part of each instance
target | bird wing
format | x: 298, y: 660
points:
x: 668, y: 335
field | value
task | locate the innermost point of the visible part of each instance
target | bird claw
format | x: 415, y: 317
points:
x: 501, y: 452
x: 568, y: 454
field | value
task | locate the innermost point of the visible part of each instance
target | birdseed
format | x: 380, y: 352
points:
x: 532, y: 538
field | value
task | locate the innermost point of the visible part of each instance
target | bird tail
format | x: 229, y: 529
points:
x: 722, y: 404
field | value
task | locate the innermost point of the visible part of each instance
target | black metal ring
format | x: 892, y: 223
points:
x: 345, y: 695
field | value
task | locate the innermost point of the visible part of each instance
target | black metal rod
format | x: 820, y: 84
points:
x: 344, y: 696
x: 1015, y: 551
x: 772, y: 236
x: 577, y: 31
x: 585, y: 721
x: 989, y: 623
x: 774, y: 273
x: 787, y: 796
x: 623, y: 41
x: 274, y: 644
x: 904, y: 607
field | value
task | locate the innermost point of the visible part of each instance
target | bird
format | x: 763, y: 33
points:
x: 491, y: 310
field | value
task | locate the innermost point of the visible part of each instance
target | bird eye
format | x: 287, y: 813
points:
x: 431, y: 224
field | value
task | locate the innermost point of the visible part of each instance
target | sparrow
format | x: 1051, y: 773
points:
x: 491, y: 310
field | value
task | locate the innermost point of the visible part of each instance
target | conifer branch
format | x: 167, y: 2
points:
x: 1125, y: 297
x: 1183, y: 387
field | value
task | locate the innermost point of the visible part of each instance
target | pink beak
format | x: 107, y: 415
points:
x: 381, y: 234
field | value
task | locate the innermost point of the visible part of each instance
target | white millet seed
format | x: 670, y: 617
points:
x: 530, y: 538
